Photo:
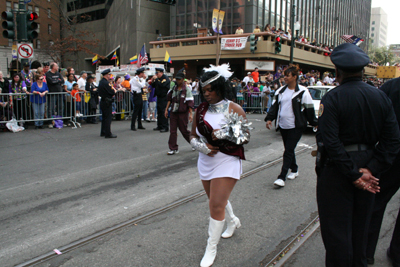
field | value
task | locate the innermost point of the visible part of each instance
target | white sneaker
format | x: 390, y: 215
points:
x: 293, y: 175
x: 193, y: 149
x: 279, y: 182
x: 172, y: 152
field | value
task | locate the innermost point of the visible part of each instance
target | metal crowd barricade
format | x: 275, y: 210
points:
x: 254, y: 102
x: 88, y: 108
x: 27, y: 107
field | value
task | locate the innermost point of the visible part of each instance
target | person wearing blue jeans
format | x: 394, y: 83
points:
x: 39, y: 91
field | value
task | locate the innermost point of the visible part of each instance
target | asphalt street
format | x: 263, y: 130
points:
x: 58, y: 186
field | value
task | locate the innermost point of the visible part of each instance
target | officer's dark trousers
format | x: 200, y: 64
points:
x: 178, y: 120
x: 137, y: 110
x: 106, y: 110
x: 389, y: 183
x: 344, y: 213
x: 162, y: 122
x: 290, y: 139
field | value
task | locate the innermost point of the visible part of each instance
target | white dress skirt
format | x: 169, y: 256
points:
x: 221, y: 165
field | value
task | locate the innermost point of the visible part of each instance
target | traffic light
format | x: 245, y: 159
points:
x: 8, y: 24
x: 167, y: 2
x: 278, y: 44
x: 253, y: 43
x: 31, y: 25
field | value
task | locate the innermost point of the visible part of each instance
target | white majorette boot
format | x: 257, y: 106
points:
x: 214, y: 234
x: 232, y: 221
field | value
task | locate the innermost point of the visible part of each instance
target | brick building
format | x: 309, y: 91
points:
x: 49, y: 30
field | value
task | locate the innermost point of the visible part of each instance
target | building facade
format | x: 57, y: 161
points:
x: 378, y: 28
x: 324, y: 20
x: 117, y: 25
x: 395, y: 48
x: 48, y: 30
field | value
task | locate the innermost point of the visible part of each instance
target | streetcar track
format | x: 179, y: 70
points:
x: 86, y: 240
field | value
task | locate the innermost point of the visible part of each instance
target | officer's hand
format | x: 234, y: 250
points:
x: 166, y: 113
x: 190, y: 117
x: 269, y: 125
x: 367, y: 182
x: 214, y: 150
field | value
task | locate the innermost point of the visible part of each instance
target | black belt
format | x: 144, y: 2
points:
x: 358, y: 147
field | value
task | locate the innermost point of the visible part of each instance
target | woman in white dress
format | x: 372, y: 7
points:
x: 219, y: 162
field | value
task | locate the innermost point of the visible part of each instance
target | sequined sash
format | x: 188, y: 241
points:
x: 206, y: 129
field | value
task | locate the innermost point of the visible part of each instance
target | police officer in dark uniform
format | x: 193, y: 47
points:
x: 106, y: 92
x: 389, y: 183
x: 358, y: 138
x: 162, y: 85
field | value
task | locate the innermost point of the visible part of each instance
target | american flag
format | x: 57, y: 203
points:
x: 143, y: 59
x: 352, y: 39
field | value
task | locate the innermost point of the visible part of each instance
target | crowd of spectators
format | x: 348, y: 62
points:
x: 253, y: 91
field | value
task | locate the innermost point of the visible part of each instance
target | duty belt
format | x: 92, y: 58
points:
x: 358, y: 147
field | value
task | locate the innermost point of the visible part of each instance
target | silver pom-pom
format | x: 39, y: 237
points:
x: 235, y: 129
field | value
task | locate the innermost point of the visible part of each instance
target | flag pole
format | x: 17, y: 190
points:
x: 217, y: 41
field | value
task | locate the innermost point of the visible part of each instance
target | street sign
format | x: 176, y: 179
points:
x: 27, y: 1
x: 25, y: 51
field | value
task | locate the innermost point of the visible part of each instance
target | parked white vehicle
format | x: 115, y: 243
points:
x: 317, y: 92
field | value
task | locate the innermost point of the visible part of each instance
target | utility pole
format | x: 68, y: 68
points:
x: 292, y: 28
x: 22, y: 26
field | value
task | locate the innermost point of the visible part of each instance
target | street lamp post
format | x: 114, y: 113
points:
x: 292, y: 27
x: 296, y: 28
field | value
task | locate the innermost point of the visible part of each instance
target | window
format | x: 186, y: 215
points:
x: 30, y: 8
x: 372, y: 41
x: 37, y: 10
x: 49, y: 13
x: 373, y: 29
x: 373, y: 23
x: 8, y: 6
x: 51, y: 43
x: 38, y: 28
x: 10, y: 42
x: 372, y: 34
x: 38, y: 44
x: 15, y: 6
x: 49, y: 29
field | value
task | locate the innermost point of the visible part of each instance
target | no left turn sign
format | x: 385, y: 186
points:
x: 25, y: 51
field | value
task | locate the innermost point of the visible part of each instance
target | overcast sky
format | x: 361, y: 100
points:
x: 392, y: 8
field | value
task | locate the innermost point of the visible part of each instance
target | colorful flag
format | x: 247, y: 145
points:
x: 352, y: 39
x: 215, y: 20
x: 167, y: 57
x: 95, y: 60
x: 220, y: 20
x: 114, y: 57
x: 134, y: 60
x: 143, y: 59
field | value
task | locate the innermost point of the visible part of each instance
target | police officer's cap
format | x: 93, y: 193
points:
x: 46, y: 64
x: 349, y: 57
x: 26, y: 64
x: 159, y: 70
x: 140, y: 70
x: 180, y: 75
x: 105, y: 72
x: 89, y: 77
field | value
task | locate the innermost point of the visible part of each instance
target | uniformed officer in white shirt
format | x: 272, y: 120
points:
x: 137, y: 84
